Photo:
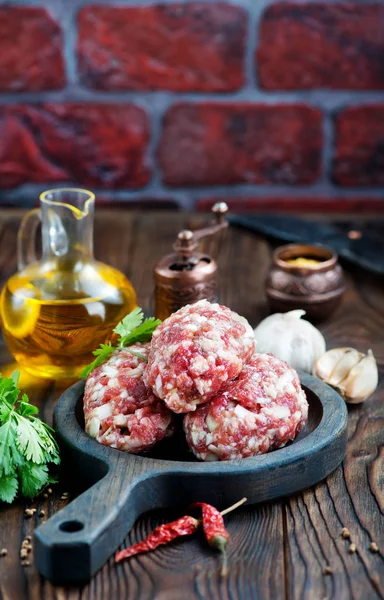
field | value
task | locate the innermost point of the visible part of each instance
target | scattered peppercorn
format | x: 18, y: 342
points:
x: 352, y: 548
x: 327, y: 570
x: 345, y: 533
x: 373, y: 547
x: 3, y: 552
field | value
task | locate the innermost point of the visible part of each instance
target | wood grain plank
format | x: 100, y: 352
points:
x: 278, y: 550
x: 352, y: 496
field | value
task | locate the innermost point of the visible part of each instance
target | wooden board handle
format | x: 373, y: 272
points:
x: 74, y: 543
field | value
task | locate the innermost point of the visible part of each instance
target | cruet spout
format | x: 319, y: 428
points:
x: 66, y: 217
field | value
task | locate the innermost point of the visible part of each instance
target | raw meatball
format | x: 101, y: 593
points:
x: 263, y: 409
x: 120, y: 411
x: 195, y: 352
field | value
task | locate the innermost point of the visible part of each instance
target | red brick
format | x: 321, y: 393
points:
x: 92, y: 145
x: 314, y: 45
x: 307, y: 204
x: 207, y: 144
x: 31, y: 50
x: 180, y: 47
x: 359, y: 155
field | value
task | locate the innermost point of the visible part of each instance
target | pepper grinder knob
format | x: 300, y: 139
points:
x: 185, y: 244
x: 220, y: 209
x: 185, y: 236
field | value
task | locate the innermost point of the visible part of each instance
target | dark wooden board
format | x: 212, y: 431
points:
x: 278, y: 549
x: 78, y: 540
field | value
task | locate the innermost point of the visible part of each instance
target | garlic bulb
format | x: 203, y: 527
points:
x: 353, y: 374
x: 291, y: 339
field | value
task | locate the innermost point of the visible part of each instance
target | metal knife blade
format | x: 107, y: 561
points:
x: 367, y: 252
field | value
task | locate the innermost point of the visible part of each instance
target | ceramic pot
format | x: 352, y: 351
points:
x: 315, y: 288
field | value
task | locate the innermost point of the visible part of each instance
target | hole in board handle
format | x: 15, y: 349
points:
x: 71, y: 526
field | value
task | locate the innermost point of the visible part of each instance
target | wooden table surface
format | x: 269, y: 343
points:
x: 277, y: 550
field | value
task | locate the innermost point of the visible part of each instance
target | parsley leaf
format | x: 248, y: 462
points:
x: 137, y: 354
x: 102, y: 354
x: 132, y: 329
x: 33, y: 478
x: 26, y: 444
x: 142, y: 333
x: 28, y: 440
x: 130, y: 322
x: 7, y: 447
x: 8, y: 488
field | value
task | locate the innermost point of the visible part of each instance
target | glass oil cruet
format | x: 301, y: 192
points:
x: 55, y: 311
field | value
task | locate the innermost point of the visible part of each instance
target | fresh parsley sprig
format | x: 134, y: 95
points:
x: 26, y: 444
x: 131, y: 330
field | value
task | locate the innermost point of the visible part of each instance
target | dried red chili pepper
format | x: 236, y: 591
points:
x: 214, y: 529
x: 161, y: 535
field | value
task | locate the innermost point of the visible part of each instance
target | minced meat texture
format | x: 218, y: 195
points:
x: 119, y: 410
x: 263, y: 409
x: 196, y: 352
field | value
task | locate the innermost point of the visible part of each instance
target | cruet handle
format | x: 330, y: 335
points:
x: 26, y: 238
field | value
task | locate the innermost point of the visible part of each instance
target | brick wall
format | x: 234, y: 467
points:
x: 266, y: 104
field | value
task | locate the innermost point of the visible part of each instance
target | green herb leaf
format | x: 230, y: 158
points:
x: 102, y: 354
x: 8, y: 488
x: 8, y: 393
x: 33, y: 478
x: 28, y: 440
x: 132, y: 329
x: 26, y: 444
x: 137, y: 354
x: 25, y: 408
x: 142, y: 333
x: 15, y: 376
x: 7, y: 446
x: 130, y: 322
x: 5, y: 410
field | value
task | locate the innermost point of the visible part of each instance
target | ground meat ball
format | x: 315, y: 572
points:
x: 263, y: 409
x: 195, y: 352
x: 120, y: 411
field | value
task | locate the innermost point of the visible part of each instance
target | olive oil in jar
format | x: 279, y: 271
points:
x: 52, y: 337
x: 56, y: 311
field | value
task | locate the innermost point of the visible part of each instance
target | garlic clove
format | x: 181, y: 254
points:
x: 361, y: 381
x: 353, y: 374
x: 325, y: 365
x: 344, y: 365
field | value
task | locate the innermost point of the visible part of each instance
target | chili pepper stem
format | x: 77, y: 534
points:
x: 224, y: 565
x: 233, y: 507
x: 220, y: 543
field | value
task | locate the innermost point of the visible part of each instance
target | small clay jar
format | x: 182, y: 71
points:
x: 316, y: 288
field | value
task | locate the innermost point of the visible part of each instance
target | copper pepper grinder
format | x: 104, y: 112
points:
x: 186, y: 275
